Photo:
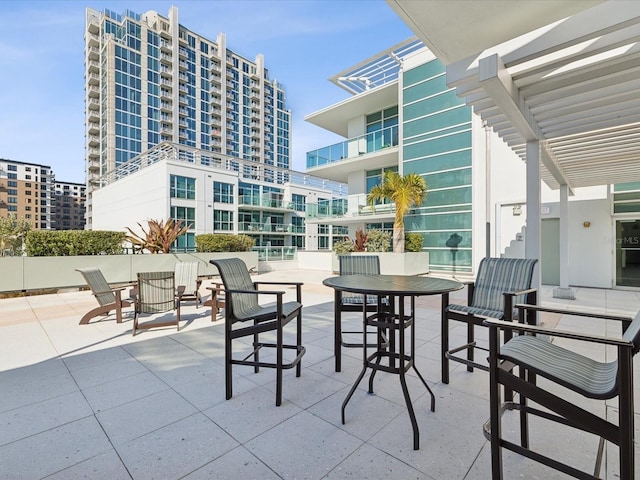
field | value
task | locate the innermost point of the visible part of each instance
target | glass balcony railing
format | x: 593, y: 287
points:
x: 331, y: 208
x: 255, y: 227
x: 271, y: 254
x: 371, y: 142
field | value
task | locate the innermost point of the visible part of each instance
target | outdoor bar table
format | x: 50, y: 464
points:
x: 399, y: 359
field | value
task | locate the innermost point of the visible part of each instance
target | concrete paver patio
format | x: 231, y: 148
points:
x: 92, y: 401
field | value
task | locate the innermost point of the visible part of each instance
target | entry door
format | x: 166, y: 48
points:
x: 628, y: 253
x: 550, y: 261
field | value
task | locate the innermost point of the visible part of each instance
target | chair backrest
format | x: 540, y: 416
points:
x: 359, y: 264
x: 156, y: 292
x: 235, y: 276
x: 98, y: 284
x: 499, y: 275
x: 186, y: 274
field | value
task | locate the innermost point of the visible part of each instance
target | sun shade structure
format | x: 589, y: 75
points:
x: 564, y: 74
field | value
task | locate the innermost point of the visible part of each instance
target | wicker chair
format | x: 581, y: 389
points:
x: 245, y: 317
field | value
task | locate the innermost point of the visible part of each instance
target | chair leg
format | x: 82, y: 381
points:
x: 256, y: 349
x: 227, y: 358
x: 337, y: 331
x: 279, y: 361
x: 524, y: 419
x: 626, y: 415
x: 299, y: 343
x: 444, y: 338
x: 495, y: 415
x: 470, y: 340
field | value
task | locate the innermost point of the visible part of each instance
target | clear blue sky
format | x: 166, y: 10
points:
x: 304, y: 43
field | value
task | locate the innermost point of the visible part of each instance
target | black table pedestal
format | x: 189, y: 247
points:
x: 398, y: 360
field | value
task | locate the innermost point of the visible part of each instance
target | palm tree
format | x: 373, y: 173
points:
x: 405, y: 192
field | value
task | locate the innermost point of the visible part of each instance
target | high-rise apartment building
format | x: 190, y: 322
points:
x: 26, y: 192
x: 149, y: 80
x: 69, y: 200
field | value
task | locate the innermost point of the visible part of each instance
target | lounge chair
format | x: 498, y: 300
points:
x: 157, y: 293
x: 242, y: 308
x: 108, y: 298
x: 186, y: 275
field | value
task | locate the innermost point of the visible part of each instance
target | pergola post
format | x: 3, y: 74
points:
x: 532, y: 233
x: 563, y: 291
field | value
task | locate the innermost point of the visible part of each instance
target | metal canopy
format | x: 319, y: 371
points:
x: 533, y: 73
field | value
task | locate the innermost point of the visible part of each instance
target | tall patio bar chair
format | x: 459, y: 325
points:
x: 245, y: 317
x: 566, y: 373
x: 499, y: 285
x: 353, y: 302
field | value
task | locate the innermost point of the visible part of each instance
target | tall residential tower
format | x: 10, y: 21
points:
x: 149, y: 79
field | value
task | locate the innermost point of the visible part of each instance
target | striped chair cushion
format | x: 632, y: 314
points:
x: 97, y: 283
x: 156, y: 292
x: 235, y: 276
x: 358, y: 264
x: 186, y: 274
x: 497, y: 276
x: 584, y: 375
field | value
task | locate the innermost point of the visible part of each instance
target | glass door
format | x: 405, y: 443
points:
x: 628, y: 253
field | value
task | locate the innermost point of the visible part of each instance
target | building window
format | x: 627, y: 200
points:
x: 186, y: 214
x: 222, y: 192
x: 223, y: 220
x: 183, y: 187
x: 298, y: 202
x: 12, y: 168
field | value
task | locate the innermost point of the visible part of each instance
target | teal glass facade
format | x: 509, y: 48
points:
x: 437, y: 144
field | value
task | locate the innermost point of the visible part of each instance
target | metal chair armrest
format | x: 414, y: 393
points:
x: 521, y: 292
x: 536, y: 329
x: 603, y: 316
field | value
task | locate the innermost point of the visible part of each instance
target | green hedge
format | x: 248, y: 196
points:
x: 224, y: 242
x: 61, y: 243
x: 413, y: 242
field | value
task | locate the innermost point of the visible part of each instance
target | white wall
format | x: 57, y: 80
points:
x: 126, y: 202
x: 590, y: 249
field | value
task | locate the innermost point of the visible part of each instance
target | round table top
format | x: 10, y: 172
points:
x: 392, y: 284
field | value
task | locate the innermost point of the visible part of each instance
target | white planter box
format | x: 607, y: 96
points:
x: 35, y: 273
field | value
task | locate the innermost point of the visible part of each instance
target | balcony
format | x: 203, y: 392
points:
x: 373, y: 150
x: 93, y: 53
x: 93, y: 79
x: 94, y: 123
x: 93, y: 66
x: 354, y: 147
x: 93, y: 104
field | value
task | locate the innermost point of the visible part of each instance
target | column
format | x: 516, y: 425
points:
x: 532, y: 234
x: 563, y: 291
